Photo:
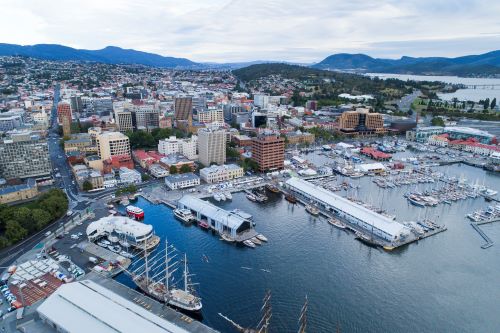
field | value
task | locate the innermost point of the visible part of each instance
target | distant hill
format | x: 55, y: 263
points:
x: 110, y: 55
x: 257, y: 71
x: 471, y: 65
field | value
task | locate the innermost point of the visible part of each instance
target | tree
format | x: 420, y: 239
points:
x: 145, y: 177
x: 41, y: 218
x: 437, y: 121
x: 493, y: 103
x: 185, y: 168
x: 172, y: 169
x: 14, y: 231
x: 87, y: 186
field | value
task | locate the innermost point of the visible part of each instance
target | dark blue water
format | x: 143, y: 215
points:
x: 445, y: 283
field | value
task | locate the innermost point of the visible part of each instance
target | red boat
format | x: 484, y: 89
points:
x: 135, y: 212
x: 203, y: 224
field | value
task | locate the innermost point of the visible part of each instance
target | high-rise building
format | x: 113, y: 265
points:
x: 230, y: 109
x: 269, y: 152
x: 212, y: 146
x: 261, y: 100
x: 76, y: 104
x: 211, y: 115
x: 183, y: 108
x: 66, y: 125
x: 110, y: 144
x: 125, y: 120
x: 24, y: 155
x: 63, y: 109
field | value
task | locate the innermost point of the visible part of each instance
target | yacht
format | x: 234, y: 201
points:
x: 256, y: 241
x: 228, y: 195
x: 261, y: 237
x: 336, y: 223
x: 249, y: 243
x: 251, y: 197
x: 184, y: 215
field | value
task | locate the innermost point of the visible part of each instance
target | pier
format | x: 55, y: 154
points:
x: 489, y: 242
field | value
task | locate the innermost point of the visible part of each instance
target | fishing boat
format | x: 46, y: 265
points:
x: 261, y: 237
x: 313, y: 210
x: 336, y: 223
x: 273, y: 188
x: 291, y: 198
x: 249, y: 243
x: 157, y: 281
x: 183, y: 215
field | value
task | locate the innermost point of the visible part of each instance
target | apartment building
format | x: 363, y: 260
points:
x: 269, y: 152
x: 211, y: 115
x: 111, y: 144
x: 212, y: 146
x: 186, y: 147
x: 183, y: 108
x: 24, y: 155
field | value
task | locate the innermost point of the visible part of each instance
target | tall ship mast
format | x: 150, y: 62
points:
x: 156, y: 278
x: 303, y: 317
x: 263, y: 325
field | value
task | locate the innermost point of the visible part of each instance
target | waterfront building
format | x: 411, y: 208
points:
x: 111, y: 144
x: 269, y: 152
x: 129, y: 176
x: 219, y: 173
x: 183, y: 180
x: 212, y: 146
x: 137, y: 234
x: 361, y: 121
x: 370, y: 221
x: 24, y: 155
x: 367, y: 168
x: 235, y: 223
x: 183, y: 108
x: 422, y: 134
x: 375, y: 154
x: 14, y: 193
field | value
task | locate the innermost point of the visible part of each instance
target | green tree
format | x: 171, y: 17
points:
x: 87, y: 186
x: 14, y: 232
x: 172, y: 169
x: 145, y: 177
x: 41, y: 218
x: 437, y: 121
x: 493, y: 103
x: 185, y: 168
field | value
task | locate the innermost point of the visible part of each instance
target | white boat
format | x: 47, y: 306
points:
x: 184, y: 215
x: 227, y: 238
x: 337, y: 223
x: 115, y: 248
x: 126, y: 254
x: 217, y: 197
x: 256, y: 241
x: 228, y: 195
x: 222, y: 196
x: 251, y: 197
x: 249, y: 243
x: 261, y: 237
x: 313, y: 210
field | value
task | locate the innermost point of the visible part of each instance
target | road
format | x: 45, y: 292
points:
x: 404, y: 103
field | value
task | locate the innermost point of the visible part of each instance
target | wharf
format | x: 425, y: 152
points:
x: 153, y: 306
x: 496, y: 219
x: 107, y: 256
x: 489, y: 242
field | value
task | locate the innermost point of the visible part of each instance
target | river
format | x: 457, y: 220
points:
x: 480, y: 93
x: 445, y: 283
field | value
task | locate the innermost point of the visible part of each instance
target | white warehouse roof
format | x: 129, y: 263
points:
x: 120, y: 223
x: 85, y: 306
x: 362, y: 213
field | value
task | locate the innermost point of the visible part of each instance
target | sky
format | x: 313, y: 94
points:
x: 302, y: 31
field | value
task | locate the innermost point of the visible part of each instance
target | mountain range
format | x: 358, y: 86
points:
x: 470, y: 65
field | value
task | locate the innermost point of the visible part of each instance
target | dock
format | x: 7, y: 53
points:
x: 489, y: 242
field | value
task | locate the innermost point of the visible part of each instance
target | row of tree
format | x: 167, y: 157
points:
x: 18, y: 222
x: 144, y: 139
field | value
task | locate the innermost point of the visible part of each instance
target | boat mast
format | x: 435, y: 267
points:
x: 303, y: 317
x: 185, y: 274
x: 166, y: 265
x: 147, y: 268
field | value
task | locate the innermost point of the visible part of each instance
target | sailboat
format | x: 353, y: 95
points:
x: 154, y: 280
x: 368, y: 240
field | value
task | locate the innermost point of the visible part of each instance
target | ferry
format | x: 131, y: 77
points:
x: 337, y: 223
x: 313, y: 210
x: 184, y: 215
x: 290, y: 198
x: 135, y: 212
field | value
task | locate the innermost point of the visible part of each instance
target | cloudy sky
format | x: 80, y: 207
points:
x: 238, y: 30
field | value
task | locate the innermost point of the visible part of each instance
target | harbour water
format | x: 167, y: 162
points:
x: 480, y: 93
x: 445, y: 283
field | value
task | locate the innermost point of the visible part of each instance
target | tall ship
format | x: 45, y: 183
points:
x: 156, y: 278
x: 135, y: 212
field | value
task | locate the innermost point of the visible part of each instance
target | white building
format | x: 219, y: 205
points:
x: 211, y: 115
x: 86, y: 306
x: 109, y: 180
x: 356, y: 214
x: 183, y: 180
x: 158, y: 171
x: 219, y: 173
x: 186, y: 147
x: 129, y: 176
x: 212, y: 146
x: 111, y: 144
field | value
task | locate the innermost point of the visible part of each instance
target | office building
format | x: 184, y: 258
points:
x: 212, y: 146
x: 111, y: 144
x: 24, y: 155
x: 230, y: 109
x: 183, y: 108
x: 66, y: 125
x: 211, y: 115
x: 184, y: 180
x: 219, y: 173
x: 361, y: 121
x: 63, y: 109
x: 186, y: 147
x: 124, y: 120
x: 76, y: 104
x: 269, y: 152
x: 261, y: 100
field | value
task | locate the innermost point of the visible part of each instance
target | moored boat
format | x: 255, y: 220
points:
x: 135, y: 212
x: 313, y: 210
x: 184, y: 215
x: 336, y: 223
x: 256, y: 241
x: 261, y: 237
x: 251, y: 197
x: 367, y: 240
x: 290, y: 198
x: 203, y: 224
x: 228, y: 195
x: 227, y: 238
x: 249, y: 243
x: 273, y: 188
